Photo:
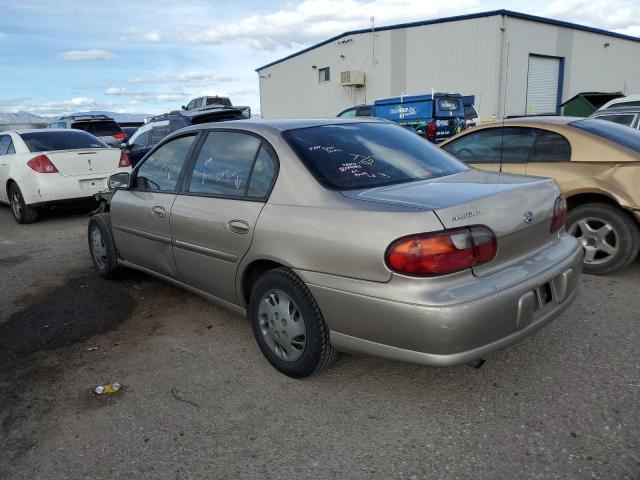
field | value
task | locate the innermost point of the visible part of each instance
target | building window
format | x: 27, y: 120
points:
x: 323, y: 75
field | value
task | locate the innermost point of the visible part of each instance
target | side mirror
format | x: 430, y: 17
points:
x: 124, y: 146
x: 119, y: 181
x: 183, y: 107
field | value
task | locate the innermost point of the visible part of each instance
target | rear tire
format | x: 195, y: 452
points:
x: 288, y: 325
x: 102, y: 246
x: 21, y: 212
x: 610, y: 237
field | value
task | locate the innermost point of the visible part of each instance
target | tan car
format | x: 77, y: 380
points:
x: 344, y: 235
x: 596, y: 163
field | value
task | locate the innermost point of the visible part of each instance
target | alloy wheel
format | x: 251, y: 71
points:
x: 16, y: 203
x: 598, y: 238
x: 282, y: 325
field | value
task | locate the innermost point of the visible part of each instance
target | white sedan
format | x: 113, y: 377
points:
x: 40, y: 168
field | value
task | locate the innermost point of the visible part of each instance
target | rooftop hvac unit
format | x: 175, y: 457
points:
x: 352, y: 78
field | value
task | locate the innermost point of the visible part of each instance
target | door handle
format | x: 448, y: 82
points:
x: 158, y: 211
x: 238, y: 226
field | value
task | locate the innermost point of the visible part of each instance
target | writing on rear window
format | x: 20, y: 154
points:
x: 363, y: 155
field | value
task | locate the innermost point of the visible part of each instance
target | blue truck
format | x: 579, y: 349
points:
x: 435, y: 116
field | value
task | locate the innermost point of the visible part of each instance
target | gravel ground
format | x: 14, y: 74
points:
x: 199, y: 401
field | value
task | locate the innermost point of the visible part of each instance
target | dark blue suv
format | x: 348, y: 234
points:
x: 160, y: 126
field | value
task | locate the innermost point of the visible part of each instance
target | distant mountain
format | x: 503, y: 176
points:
x: 26, y: 117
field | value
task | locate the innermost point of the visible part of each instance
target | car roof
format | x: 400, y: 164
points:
x: 44, y: 130
x: 284, y: 124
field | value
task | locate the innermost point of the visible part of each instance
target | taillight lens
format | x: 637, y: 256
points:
x: 439, y: 253
x: 560, y: 214
x: 124, y: 160
x: 431, y: 130
x: 42, y: 164
x: 119, y: 136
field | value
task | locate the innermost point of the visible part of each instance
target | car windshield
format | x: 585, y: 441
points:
x: 363, y: 155
x: 48, y: 141
x: 625, y: 136
x: 100, y: 128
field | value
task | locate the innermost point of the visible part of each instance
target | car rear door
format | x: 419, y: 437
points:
x: 140, y: 215
x: 213, y: 219
x: 7, y: 152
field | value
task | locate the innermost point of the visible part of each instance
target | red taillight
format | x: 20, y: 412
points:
x: 42, y: 164
x: 124, y: 160
x: 439, y: 253
x: 119, y: 136
x: 431, y: 131
x: 560, y: 214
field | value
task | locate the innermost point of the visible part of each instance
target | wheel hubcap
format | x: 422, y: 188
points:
x: 16, y: 204
x: 598, y: 238
x: 282, y: 325
x: 98, y: 248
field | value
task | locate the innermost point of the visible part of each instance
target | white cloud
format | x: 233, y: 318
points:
x: 86, y: 55
x: 316, y: 20
x: 189, y: 77
x: 13, y: 101
x: 621, y: 16
x: 152, y: 37
x: 115, y: 91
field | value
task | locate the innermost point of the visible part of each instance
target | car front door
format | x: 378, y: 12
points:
x: 480, y: 148
x: 140, y: 215
x: 213, y: 219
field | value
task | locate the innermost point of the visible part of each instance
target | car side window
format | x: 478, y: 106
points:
x: 517, y: 144
x: 363, y: 111
x: 550, y: 147
x: 224, y: 164
x: 140, y: 139
x: 482, y: 146
x: 6, y: 145
x: 262, y: 175
x: 160, y: 171
x: 622, y: 119
x: 158, y: 133
x: 348, y: 113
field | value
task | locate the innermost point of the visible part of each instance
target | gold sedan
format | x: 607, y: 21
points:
x: 596, y: 163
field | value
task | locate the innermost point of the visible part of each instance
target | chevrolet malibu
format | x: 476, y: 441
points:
x: 344, y: 235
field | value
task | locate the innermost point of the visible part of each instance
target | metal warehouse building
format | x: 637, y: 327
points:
x: 511, y: 62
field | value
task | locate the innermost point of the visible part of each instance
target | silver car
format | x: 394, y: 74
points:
x: 344, y: 235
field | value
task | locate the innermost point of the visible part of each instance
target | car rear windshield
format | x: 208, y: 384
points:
x: 363, y: 155
x: 56, y: 140
x: 625, y: 136
x: 99, y: 128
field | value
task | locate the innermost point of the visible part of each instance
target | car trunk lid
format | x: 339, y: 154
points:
x: 518, y: 209
x: 85, y: 161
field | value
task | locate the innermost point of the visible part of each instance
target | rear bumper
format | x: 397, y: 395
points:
x: 39, y: 191
x: 448, y: 320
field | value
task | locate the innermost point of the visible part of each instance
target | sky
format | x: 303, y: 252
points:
x: 59, y: 56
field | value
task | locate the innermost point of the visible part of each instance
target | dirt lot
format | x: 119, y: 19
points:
x: 199, y: 401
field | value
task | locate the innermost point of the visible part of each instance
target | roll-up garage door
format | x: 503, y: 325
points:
x: 542, y: 84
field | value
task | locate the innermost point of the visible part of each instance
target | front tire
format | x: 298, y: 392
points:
x: 288, y: 325
x: 609, y: 236
x: 101, y: 246
x: 21, y: 212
